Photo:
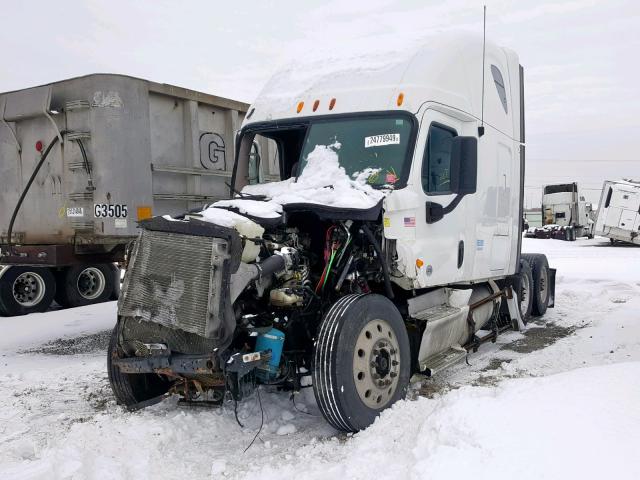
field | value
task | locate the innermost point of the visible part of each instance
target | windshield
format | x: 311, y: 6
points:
x: 379, y: 144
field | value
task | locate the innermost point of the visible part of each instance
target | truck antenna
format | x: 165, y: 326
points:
x: 484, y: 41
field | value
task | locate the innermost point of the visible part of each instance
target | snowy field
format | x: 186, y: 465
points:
x: 561, y: 400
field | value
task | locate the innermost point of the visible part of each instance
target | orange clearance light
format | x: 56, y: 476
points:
x: 400, y: 99
x: 419, y: 263
x: 144, y: 212
x: 332, y: 103
x: 300, y: 107
x: 315, y: 105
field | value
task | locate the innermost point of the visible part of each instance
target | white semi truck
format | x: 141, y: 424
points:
x: 619, y: 212
x: 387, y: 243
x: 564, y: 206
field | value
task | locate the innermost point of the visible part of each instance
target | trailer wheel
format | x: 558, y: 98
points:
x: 540, y: 273
x: 115, y: 294
x: 130, y: 389
x: 26, y: 290
x: 85, y: 284
x: 362, y: 361
x: 522, y: 283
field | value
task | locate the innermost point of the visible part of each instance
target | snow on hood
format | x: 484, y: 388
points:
x: 323, y: 182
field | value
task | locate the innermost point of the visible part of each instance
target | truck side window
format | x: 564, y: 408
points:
x: 254, y: 164
x: 499, y: 81
x: 436, y: 162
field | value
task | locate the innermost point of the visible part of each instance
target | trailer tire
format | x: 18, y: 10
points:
x: 130, y: 389
x: 362, y: 361
x: 85, y: 285
x: 522, y: 283
x: 115, y: 294
x: 26, y: 290
x: 540, y: 272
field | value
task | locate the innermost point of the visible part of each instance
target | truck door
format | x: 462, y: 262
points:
x: 441, y: 245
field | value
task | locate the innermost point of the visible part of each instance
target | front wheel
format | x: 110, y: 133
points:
x: 131, y: 389
x: 362, y: 361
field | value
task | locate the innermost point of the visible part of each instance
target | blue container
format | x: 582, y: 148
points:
x: 272, y: 340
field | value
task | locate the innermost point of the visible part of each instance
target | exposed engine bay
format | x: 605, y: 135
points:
x: 262, y: 325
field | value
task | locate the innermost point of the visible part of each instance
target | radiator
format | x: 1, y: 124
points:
x: 178, y: 281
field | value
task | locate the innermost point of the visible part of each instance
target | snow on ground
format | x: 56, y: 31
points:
x: 561, y: 400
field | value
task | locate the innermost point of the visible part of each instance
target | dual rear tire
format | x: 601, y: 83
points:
x: 533, y: 285
x: 81, y: 285
x: 25, y: 289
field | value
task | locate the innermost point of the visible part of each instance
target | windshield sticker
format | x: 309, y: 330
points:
x: 391, y: 177
x: 380, y: 140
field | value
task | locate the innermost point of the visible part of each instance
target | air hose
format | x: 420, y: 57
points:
x: 28, y: 186
x: 383, y: 264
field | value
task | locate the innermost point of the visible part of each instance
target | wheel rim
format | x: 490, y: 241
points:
x: 525, y: 291
x: 542, y: 285
x: 90, y: 283
x: 28, y: 289
x: 376, y: 364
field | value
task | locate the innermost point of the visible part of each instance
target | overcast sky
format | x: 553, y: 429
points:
x: 581, y: 58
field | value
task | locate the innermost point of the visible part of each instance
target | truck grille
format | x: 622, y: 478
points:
x: 176, y: 280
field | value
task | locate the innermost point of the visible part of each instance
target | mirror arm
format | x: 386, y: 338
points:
x: 454, y: 203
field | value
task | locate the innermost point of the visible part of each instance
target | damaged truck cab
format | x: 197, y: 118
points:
x: 372, y: 232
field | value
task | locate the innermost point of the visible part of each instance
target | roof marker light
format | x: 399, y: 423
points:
x: 332, y: 103
x: 315, y: 105
x: 300, y: 107
x: 400, y: 99
x: 39, y: 145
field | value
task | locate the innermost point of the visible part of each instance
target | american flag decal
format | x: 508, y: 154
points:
x: 409, y: 221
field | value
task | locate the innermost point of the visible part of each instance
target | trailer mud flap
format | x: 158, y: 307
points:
x: 552, y: 288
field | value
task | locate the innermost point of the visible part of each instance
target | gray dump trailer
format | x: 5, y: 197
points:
x: 82, y: 161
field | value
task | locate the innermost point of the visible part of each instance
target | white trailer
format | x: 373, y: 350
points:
x: 387, y: 243
x: 619, y: 212
x: 563, y: 205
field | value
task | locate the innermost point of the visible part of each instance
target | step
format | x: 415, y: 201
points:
x: 437, y: 312
x: 441, y: 361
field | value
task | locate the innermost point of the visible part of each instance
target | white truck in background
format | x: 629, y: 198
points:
x: 566, y: 215
x: 619, y: 212
x: 388, y: 241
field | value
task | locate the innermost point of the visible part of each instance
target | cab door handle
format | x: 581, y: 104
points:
x: 460, y: 253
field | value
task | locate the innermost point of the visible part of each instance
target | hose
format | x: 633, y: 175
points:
x: 87, y: 165
x: 383, y: 264
x: 28, y: 186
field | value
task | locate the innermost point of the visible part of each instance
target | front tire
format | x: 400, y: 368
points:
x: 362, y: 361
x: 130, y: 389
x: 26, y: 290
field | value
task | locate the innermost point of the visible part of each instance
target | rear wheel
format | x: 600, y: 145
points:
x: 540, y: 273
x: 130, y: 389
x: 85, y: 284
x: 362, y: 361
x: 522, y: 283
x: 26, y: 290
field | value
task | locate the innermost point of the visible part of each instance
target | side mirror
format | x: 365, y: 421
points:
x: 464, y: 165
